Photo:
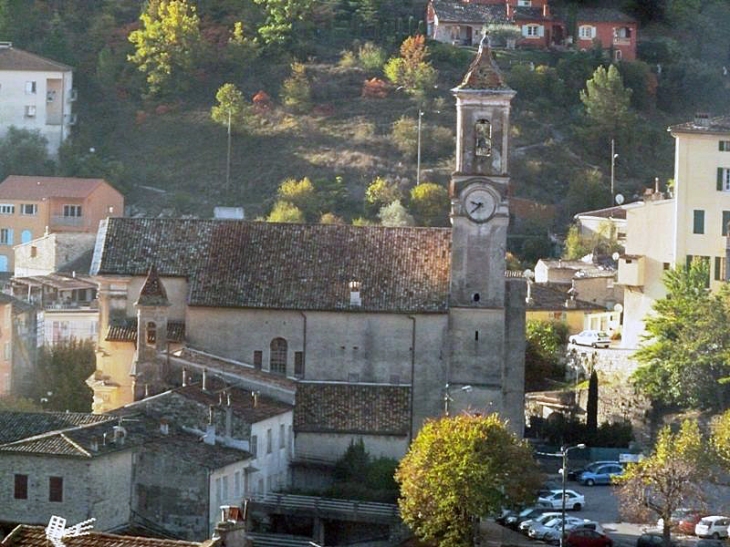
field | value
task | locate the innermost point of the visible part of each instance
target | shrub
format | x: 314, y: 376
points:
x: 371, y: 57
x: 404, y: 134
x: 375, y: 88
x: 296, y: 91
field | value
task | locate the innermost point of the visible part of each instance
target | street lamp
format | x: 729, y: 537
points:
x: 564, y: 453
x: 448, y: 399
x: 614, y: 155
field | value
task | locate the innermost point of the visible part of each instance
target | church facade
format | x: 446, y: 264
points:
x: 372, y: 329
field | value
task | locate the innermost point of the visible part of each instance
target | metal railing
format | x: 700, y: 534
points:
x: 351, y: 509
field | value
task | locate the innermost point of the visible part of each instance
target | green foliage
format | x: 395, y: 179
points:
x: 59, y: 378
x: 24, y: 152
x: 352, y: 463
x: 686, y: 352
x: 678, y: 87
x: 10, y: 403
x: 638, y: 77
x: 371, y: 57
x: 604, y: 242
x: 283, y: 19
x: 429, y: 203
x: 461, y: 468
x: 283, y: 211
x: 545, y: 343
x: 412, y: 71
x: 394, y: 214
x: 549, y: 336
x: 672, y: 477
x: 587, y: 191
x: 296, y: 91
x: 404, y: 134
x: 358, y: 476
x: 330, y: 218
x: 721, y: 438
x: 382, y: 192
x: 166, y: 46
x: 231, y: 107
x: 300, y: 193
x: 607, y: 106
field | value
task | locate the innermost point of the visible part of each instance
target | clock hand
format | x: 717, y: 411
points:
x: 477, y: 205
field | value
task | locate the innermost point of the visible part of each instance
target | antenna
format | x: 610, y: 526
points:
x: 56, y: 530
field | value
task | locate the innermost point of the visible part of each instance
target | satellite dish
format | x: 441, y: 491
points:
x: 619, y: 199
x: 615, y: 256
x: 618, y: 308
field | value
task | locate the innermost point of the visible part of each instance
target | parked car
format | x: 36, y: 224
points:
x: 585, y: 537
x: 683, y: 521
x: 554, y: 500
x: 524, y: 526
x: 592, y: 338
x: 552, y: 535
x: 654, y: 539
x: 573, y: 474
x: 602, y: 474
x: 554, y: 525
x: 712, y: 527
x: 513, y: 520
x: 710, y: 543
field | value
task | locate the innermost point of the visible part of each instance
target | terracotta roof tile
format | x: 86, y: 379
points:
x: 153, y: 292
x: 352, y: 408
x: 286, y: 266
x: 459, y: 12
x: 550, y: 298
x: 35, y: 536
x: 602, y: 15
x: 483, y: 73
x: 37, y: 188
x: 716, y: 125
x: 21, y: 425
x: 17, y: 59
x: 127, y: 332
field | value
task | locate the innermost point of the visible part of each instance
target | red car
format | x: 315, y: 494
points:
x: 585, y: 537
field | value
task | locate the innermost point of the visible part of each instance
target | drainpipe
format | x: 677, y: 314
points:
x: 304, y: 339
x: 413, y: 372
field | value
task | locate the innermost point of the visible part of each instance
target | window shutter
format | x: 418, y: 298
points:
x: 10, y: 236
x: 719, y: 179
x: 541, y: 31
x: 525, y: 30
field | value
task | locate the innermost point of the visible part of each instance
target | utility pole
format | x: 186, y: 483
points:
x: 614, y: 155
x: 418, y: 160
x: 228, y: 157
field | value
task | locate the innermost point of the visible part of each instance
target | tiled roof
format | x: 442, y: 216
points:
x: 127, y: 332
x: 153, y: 291
x: 17, y: 59
x: 287, y: 266
x: 550, y: 298
x: 35, y: 536
x: 352, y: 408
x: 483, y: 73
x: 37, y: 188
x: 602, y: 15
x: 716, y: 125
x: 21, y: 425
x: 522, y: 13
x: 458, y: 12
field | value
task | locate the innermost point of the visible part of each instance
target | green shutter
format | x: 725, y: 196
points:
x: 718, y: 266
x: 719, y: 179
x: 725, y: 221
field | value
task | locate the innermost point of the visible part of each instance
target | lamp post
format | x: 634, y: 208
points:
x: 614, y: 155
x: 447, y: 396
x: 564, y: 453
x: 418, y: 157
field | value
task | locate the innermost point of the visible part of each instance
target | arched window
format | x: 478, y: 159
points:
x: 151, y: 332
x: 277, y: 356
x: 26, y: 236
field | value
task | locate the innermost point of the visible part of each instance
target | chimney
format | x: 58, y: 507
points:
x: 164, y: 427
x: 702, y: 119
x: 119, y: 434
x: 355, y: 293
x: 204, y: 387
x: 184, y: 378
x: 545, y: 10
x: 255, y: 395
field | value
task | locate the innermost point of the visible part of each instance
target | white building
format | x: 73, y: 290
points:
x: 36, y: 94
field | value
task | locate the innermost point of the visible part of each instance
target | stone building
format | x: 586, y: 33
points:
x: 370, y: 329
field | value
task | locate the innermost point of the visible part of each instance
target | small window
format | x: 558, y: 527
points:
x: 532, y: 30
x: 699, y: 222
x: 6, y: 236
x: 73, y: 211
x: 151, y: 331
x: 524, y: 3
x: 7, y: 209
x: 665, y: 266
x: 299, y: 364
x: 277, y: 357
x: 723, y: 179
x: 586, y: 32
x: 21, y: 487
x: 725, y: 222
x: 724, y: 146
x: 30, y: 111
x: 30, y: 87
x: 268, y: 441
x: 254, y: 446
x: 55, y: 489
x: 258, y: 359
x: 29, y: 209
x: 282, y: 436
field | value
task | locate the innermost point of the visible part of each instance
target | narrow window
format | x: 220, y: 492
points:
x: 55, y: 489
x: 151, y: 333
x: 254, y: 445
x: 30, y: 87
x: 299, y: 364
x: 725, y: 221
x: 699, y: 222
x: 6, y: 236
x: 277, y: 357
x: 723, y: 179
x: 268, y: 441
x: 30, y: 111
x: 724, y: 146
x: 719, y: 268
x: 21, y: 487
x: 258, y: 359
x: 282, y: 436
x: 7, y: 209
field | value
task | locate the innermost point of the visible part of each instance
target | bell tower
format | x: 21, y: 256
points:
x: 483, y: 310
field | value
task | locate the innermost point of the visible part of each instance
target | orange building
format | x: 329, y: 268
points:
x: 31, y: 206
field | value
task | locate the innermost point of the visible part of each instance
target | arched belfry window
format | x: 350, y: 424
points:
x: 151, y: 332
x: 277, y: 356
x: 483, y: 136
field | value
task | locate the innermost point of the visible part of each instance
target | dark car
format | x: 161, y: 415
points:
x: 654, y: 539
x: 585, y: 537
x: 710, y: 543
x: 513, y: 521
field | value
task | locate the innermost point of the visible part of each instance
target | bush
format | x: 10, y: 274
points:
x: 371, y: 57
x: 296, y: 91
x: 404, y: 134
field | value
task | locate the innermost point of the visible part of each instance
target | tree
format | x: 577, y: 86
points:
x: 296, y: 92
x: 545, y: 342
x: 411, y: 70
x: 301, y: 194
x: 459, y: 468
x: 231, y: 107
x: 587, y: 191
x: 381, y: 192
x: 668, y: 479
x: 394, y: 214
x: 430, y: 204
x: 59, y: 379
x: 686, y: 353
x: 282, y: 16
x: 24, y: 152
x: 607, y: 106
x: 592, y: 406
x: 167, y: 44
x: 284, y: 211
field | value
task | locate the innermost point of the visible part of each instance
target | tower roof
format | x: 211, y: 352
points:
x: 483, y: 73
x: 153, y: 291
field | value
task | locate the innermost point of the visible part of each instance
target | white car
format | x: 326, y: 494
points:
x: 524, y: 526
x: 554, y: 500
x: 712, y: 527
x: 592, y: 338
x: 553, y: 526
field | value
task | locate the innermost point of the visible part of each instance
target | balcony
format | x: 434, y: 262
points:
x: 631, y: 271
x: 621, y: 41
x: 74, y: 222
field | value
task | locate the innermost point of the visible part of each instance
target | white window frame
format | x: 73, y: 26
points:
x: 26, y: 207
x: 7, y: 209
x: 31, y: 87
x: 586, y: 32
x: 6, y: 236
x: 524, y: 3
x: 533, y: 31
x: 72, y: 211
x: 30, y: 111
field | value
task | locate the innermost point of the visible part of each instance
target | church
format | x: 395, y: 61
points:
x: 368, y: 330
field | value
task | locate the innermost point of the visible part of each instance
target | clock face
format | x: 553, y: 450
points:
x: 480, y: 204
